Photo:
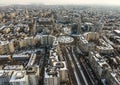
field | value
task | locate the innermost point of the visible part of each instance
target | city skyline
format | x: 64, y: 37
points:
x: 45, y: 44
x: 62, y: 2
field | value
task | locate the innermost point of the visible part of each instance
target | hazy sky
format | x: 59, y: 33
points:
x: 103, y: 2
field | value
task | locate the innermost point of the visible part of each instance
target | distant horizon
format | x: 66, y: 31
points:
x: 62, y: 2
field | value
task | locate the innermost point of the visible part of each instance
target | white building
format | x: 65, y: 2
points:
x: 52, y: 76
x: 113, y: 78
x: 99, y: 65
x: 19, y: 78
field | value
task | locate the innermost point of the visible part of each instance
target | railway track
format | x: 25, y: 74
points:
x: 74, y: 69
x: 91, y: 78
x: 77, y: 69
x: 82, y: 78
x: 80, y: 71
